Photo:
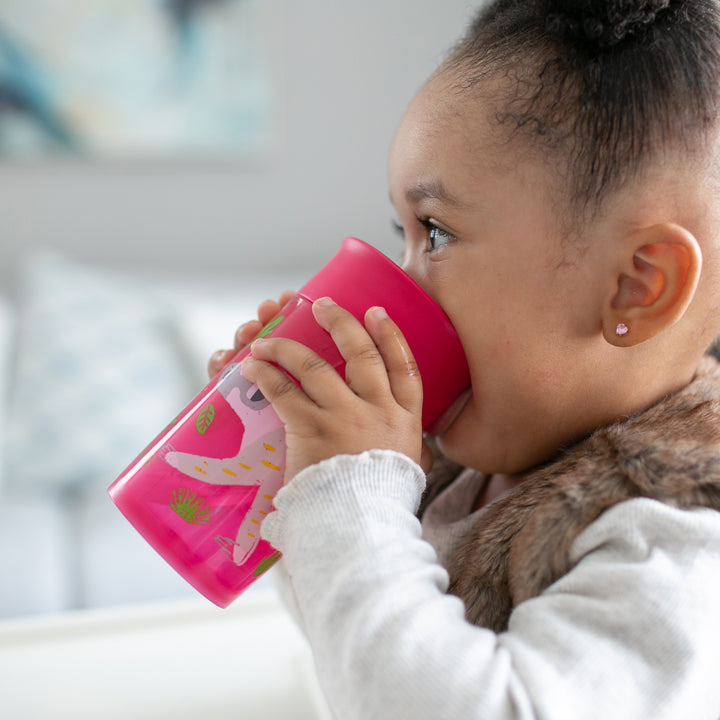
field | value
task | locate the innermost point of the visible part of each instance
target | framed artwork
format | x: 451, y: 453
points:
x: 134, y: 78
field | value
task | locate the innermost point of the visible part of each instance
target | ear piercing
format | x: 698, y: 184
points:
x: 621, y: 329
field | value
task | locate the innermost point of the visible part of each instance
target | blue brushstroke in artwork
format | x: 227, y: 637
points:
x: 183, y: 14
x: 23, y: 90
x: 153, y: 77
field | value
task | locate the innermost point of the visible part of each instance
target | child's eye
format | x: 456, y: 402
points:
x: 437, y: 237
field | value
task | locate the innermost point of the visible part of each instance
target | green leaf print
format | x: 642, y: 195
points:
x: 205, y: 418
x: 264, y: 565
x: 270, y: 326
x: 190, y: 507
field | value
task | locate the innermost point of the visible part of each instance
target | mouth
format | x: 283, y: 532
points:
x: 442, y: 424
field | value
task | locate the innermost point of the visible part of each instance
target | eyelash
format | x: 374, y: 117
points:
x: 429, y: 226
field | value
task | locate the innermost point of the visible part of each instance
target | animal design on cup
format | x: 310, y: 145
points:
x: 260, y: 460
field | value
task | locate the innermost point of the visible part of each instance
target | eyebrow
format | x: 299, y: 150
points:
x: 433, y: 189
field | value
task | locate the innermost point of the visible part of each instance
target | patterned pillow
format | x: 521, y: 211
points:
x: 98, y: 374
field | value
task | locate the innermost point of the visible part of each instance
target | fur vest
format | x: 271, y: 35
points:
x: 519, y: 544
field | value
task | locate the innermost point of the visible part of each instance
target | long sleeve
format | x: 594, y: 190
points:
x: 633, y: 631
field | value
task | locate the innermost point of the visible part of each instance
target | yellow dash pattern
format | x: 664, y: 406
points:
x: 268, y: 497
x: 251, y: 535
x: 229, y: 472
x: 269, y: 448
x: 200, y: 470
x: 253, y: 520
x: 247, y: 467
x: 270, y: 465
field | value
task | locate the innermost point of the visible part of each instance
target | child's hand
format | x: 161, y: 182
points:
x: 377, y: 406
x: 246, y: 333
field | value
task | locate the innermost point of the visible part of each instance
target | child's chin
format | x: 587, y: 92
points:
x: 454, y: 447
x: 446, y: 420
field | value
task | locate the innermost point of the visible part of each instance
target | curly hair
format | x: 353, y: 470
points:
x: 604, y: 85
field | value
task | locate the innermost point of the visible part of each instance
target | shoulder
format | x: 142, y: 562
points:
x: 634, y: 527
x: 661, y: 560
x: 639, y: 613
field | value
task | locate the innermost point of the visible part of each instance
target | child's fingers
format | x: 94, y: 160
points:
x: 286, y: 297
x: 402, y: 370
x: 218, y: 360
x: 288, y: 400
x: 268, y: 309
x: 365, y: 371
x: 246, y: 333
x: 319, y: 380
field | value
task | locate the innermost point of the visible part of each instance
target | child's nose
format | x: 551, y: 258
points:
x: 413, y: 269
x: 410, y: 266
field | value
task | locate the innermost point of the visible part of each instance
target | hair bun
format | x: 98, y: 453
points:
x: 601, y: 23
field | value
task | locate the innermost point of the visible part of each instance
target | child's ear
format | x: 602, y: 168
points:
x: 654, y: 283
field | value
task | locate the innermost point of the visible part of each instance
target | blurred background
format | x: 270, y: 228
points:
x: 332, y: 78
x: 164, y: 167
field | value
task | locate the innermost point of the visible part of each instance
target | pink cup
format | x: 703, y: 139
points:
x: 199, y: 492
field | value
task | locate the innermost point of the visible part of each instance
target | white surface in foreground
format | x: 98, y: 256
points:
x: 175, y: 660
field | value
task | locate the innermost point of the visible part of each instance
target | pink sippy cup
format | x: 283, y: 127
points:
x: 199, y: 492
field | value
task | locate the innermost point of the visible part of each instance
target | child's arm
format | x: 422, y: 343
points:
x: 631, y: 632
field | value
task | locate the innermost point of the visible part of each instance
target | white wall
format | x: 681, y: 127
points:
x: 343, y: 73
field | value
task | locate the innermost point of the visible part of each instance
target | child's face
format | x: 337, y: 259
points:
x: 483, y: 239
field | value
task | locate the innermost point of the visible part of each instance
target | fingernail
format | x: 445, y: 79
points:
x: 325, y: 302
x: 256, y: 343
x: 218, y: 356
x: 379, y: 313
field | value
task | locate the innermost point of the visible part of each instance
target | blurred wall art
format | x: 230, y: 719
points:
x: 134, y: 78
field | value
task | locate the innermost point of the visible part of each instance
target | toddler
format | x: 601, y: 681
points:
x: 557, y: 185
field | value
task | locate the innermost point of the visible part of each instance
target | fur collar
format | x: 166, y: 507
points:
x: 520, y: 543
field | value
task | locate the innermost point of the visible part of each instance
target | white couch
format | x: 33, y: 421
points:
x: 179, y: 660
x: 93, y: 363
x: 93, y: 623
